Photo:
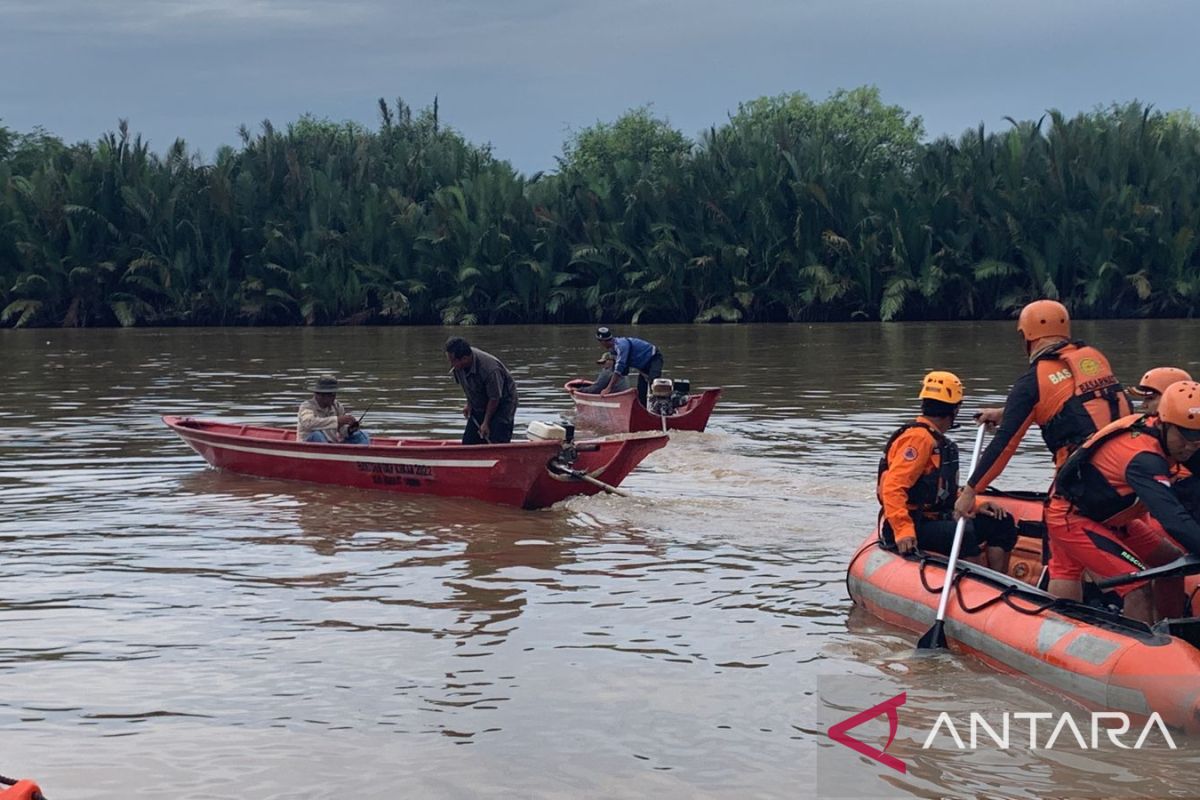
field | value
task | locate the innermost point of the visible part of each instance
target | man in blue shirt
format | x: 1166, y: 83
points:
x: 631, y: 353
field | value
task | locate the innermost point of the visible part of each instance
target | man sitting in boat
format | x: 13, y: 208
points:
x: 1150, y: 389
x: 1069, y: 390
x: 630, y: 353
x: 323, y: 419
x: 1113, y: 501
x: 605, y: 377
x: 490, y: 389
x: 918, y: 481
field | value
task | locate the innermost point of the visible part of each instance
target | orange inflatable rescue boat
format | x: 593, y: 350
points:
x: 20, y: 790
x: 1092, y: 654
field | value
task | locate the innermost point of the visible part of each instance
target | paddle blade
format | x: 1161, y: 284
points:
x: 934, y: 638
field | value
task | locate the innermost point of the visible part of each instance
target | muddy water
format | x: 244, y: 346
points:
x: 171, y: 631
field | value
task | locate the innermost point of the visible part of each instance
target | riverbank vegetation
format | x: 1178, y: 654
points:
x: 792, y: 209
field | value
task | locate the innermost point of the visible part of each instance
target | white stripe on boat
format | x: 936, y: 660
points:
x: 482, y: 463
x: 597, y: 403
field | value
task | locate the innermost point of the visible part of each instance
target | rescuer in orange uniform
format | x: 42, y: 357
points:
x: 1119, y: 475
x: 918, y: 481
x: 1069, y: 390
x: 1150, y: 388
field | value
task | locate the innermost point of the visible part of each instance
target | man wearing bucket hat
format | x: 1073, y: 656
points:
x: 918, y: 481
x: 604, y: 378
x: 630, y: 353
x: 323, y: 419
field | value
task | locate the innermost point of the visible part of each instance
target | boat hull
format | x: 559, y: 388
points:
x: 1103, y: 662
x: 620, y: 412
x: 515, y: 474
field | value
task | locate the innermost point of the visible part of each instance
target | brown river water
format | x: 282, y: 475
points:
x: 170, y: 631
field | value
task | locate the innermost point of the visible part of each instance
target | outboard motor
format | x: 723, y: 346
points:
x: 659, y: 402
x: 563, y: 432
x: 547, y: 431
x: 680, y: 393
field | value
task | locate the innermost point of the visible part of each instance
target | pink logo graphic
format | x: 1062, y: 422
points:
x: 838, y: 732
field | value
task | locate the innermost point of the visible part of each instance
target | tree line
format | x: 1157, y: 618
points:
x: 793, y: 209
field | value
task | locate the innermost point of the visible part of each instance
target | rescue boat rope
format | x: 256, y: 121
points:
x: 13, y: 782
x: 850, y: 568
x: 1004, y: 596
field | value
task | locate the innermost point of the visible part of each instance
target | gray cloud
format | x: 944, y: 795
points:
x: 521, y: 73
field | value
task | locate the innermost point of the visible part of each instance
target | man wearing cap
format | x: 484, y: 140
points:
x: 630, y: 353
x: 605, y: 377
x: 490, y: 389
x: 324, y: 419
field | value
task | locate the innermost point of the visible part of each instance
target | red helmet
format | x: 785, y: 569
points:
x: 1043, y: 318
x: 1156, y: 381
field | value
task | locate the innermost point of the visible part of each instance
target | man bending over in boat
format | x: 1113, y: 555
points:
x: 1113, y: 501
x: 918, y: 481
x: 605, y: 377
x: 324, y: 419
x: 490, y: 389
x: 630, y: 353
x: 1069, y: 390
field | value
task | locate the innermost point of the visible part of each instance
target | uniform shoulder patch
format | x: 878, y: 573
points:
x: 910, y: 453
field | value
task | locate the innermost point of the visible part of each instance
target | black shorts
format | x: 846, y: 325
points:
x: 937, y: 535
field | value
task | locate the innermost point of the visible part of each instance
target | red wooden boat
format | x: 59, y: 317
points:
x: 528, y: 474
x: 621, y: 412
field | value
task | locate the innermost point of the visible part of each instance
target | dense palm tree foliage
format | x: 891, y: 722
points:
x: 791, y: 210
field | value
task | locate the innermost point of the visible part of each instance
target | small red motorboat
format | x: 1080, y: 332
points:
x: 527, y: 474
x: 621, y: 412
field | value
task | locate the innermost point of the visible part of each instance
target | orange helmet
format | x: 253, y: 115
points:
x: 1155, y: 381
x: 1180, y: 405
x: 944, y: 386
x: 1043, y: 318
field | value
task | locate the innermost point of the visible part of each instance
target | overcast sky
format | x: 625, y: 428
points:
x: 522, y: 74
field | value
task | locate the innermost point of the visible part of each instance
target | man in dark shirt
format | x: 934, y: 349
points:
x: 490, y: 390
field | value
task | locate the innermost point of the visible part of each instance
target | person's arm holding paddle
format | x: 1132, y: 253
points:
x: 485, y: 427
x: 1015, y: 421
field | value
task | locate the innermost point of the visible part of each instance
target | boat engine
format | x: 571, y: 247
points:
x: 680, y: 393
x: 667, y: 395
x: 563, y: 432
x: 659, y: 401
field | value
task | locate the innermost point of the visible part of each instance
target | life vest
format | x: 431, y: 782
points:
x: 1096, y: 398
x: 1099, y: 492
x: 934, y: 491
